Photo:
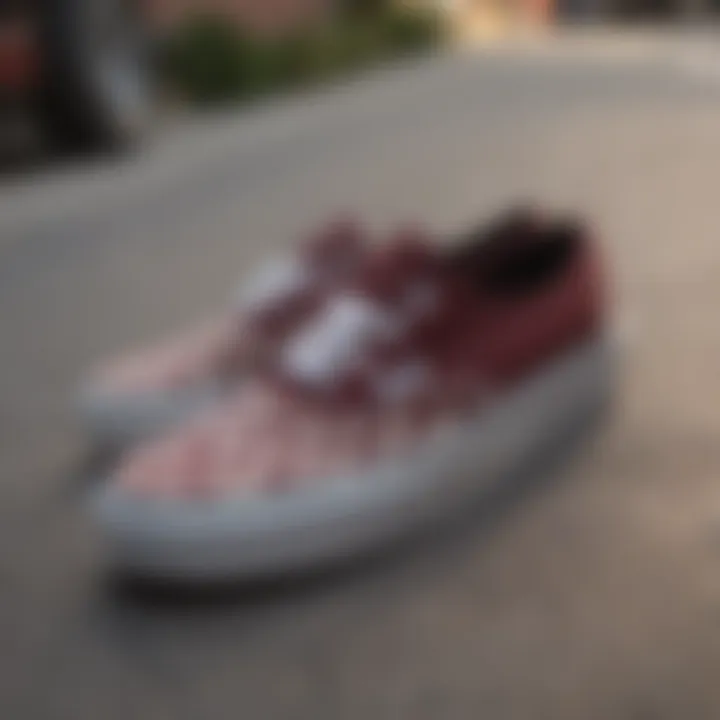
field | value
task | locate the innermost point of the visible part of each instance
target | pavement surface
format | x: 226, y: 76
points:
x: 594, y: 595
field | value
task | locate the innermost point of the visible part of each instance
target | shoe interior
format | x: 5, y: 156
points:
x: 534, y: 265
x: 517, y: 255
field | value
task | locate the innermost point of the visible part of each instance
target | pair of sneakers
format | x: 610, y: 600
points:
x: 358, y: 392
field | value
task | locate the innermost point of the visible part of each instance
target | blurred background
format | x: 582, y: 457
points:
x: 154, y: 152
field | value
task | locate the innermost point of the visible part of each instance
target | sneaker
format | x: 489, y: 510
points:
x: 145, y: 392
x: 401, y: 397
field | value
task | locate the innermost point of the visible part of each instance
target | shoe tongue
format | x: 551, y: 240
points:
x: 408, y: 260
x: 335, y: 246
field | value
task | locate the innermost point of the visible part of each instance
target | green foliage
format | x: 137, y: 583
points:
x: 210, y: 60
x: 309, y: 56
x: 407, y: 29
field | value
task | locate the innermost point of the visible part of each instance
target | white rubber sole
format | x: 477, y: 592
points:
x: 270, y: 535
x: 120, y: 420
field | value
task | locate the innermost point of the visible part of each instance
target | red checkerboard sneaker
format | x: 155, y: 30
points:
x: 147, y: 391
x: 401, y: 396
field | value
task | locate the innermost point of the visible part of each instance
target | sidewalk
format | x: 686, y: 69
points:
x: 594, y: 597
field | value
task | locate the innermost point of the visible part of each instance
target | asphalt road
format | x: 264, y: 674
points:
x: 592, y: 594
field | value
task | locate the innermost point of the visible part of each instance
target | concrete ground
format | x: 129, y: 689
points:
x: 596, y: 595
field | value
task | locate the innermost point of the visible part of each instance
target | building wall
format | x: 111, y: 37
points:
x: 476, y: 19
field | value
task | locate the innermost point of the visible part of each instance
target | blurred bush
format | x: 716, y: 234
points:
x: 404, y: 30
x: 209, y: 59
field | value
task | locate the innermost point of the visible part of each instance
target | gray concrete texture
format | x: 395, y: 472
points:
x: 596, y: 595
